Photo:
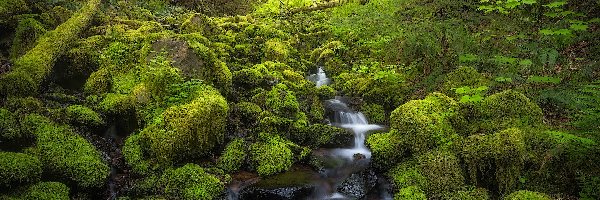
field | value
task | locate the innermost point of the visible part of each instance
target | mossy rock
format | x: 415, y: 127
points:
x: 426, y: 124
x: 276, y: 50
x: 187, y: 130
x: 247, y: 112
x: 374, y: 112
x: 115, y: 104
x: 84, y: 116
x: 463, y: 76
x: 407, y: 174
x: 18, y: 169
x: 387, y: 149
x: 133, y: 153
x: 442, y: 173
x: 282, y: 102
x: 271, y: 156
x: 191, y: 182
x: 321, y: 135
x: 234, y: 156
x: 99, y: 82
x: 525, y: 194
x: 28, y: 30
x: 508, y: 109
x: 11, y: 134
x: 47, y: 191
x: 501, y: 155
x: 11, y: 8
x: 410, y: 193
x: 471, y: 194
x: 67, y: 155
x: 24, y: 105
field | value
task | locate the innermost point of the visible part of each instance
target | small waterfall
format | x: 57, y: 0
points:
x: 320, y: 78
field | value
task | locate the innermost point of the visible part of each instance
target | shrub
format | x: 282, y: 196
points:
x: 31, y: 69
x: 426, y: 124
x: 18, y: 168
x: 191, y: 182
x: 234, y: 156
x: 82, y: 115
x: 524, y: 194
x: 271, y: 156
x: 47, y: 191
x: 501, y: 154
x: 65, y: 154
x: 442, y: 171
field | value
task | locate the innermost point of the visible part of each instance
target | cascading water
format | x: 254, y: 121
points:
x: 350, y: 160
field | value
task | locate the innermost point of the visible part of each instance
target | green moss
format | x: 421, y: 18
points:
x: 410, y: 193
x: 99, y: 82
x: 508, y: 109
x: 501, y: 154
x: 134, y: 155
x: 47, y: 191
x: 191, y: 182
x: 276, y: 50
x: 472, y: 194
x: 529, y: 195
x: 234, y: 156
x: 20, y: 105
x: 589, y: 187
x: 11, y: 8
x: 406, y: 175
x: 31, y: 69
x: 65, y: 154
x: 82, y: 115
x: 271, y: 156
x: 247, y: 112
x: 188, y: 130
x: 463, y: 76
x: 374, y: 112
x: 114, y: 103
x: 28, y: 30
x: 18, y: 168
x: 159, y: 76
x: 9, y: 126
x: 282, y: 102
x: 387, y: 149
x: 215, y: 71
x: 326, y: 92
x: 442, y: 171
x: 317, y: 135
x: 426, y: 124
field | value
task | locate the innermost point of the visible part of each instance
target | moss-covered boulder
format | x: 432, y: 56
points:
x: 442, y: 173
x: 65, y: 154
x: 47, y: 191
x: 234, y: 156
x: 500, y: 155
x: 508, y: 109
x: 83, y: 116
x: 133, y: 152
x: 10, y: 130
x: 525, y: 194
x: 410, y: 193
x: 28, y: 30
x: 470, y: 194
x: 426, y: 124
x: 117, y: 104
x: 321, y: 135
x: 375, y: 113
x: 191, y: 182
x: 407, y: 174
x: 98, y: 82
x: 282, y: 102
x: 271, y: 156
x: 387, y: 149
x: 18, y: 169
x: 187, y: 130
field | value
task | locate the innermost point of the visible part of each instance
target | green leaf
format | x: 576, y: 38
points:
x: 526, y: 62
x: 556, y: 4
x: 465, y: 99
x: 546, y: 32
x: 578, y: 27
x: 529, y: 2
x: 481, y: 88
x: 462, y: 90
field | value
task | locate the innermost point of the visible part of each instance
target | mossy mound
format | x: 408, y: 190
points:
x: 10, y: 130
x: 500, y: 155
x: 442, y: 173
x: 375, y: 113
x: 66, y: 155
x: 410, y: 193
x: 387, y: 149
x: 133, y: 152
x: 191, y: 182
x: 524, y: 194
x: 426, y: 124
x: 407, y: 174
x: 271, y: 156
x: 508, y: 109
x: 47, y: 191
x: 18, y: 169
x: 82, y: 115
x: 28, y: 30
x: 234, y: 156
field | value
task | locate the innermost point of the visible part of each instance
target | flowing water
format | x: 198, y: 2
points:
x: 320, y: 78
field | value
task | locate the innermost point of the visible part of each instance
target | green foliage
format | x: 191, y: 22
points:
x: 589, y: 187
x: 47, y: 191
x: 65, y: 154
x: 464, y: 77
x: 31, y: 69
x: 410, y: 193
x: 18, y: 169
x: 28, y: 30
x: 525, y: 194
x: 282, y: 102
x: 159, y: 77
x: 82, y: 115
x: 234, y: 156
x: 191, y: 182
x: 271, y: 156
x: 470, y: 95
x: 503, y: 7
x: 442, y: 172
x: 501, y: 154
x: 543, y: 79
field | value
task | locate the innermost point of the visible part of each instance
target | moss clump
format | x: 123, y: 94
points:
x: 529, y: 195
x: 10, y: 9
x: 28, y: 30
x: 188, y: 130
x: 387, y: 149
x: 116, y: 104
x: 134, y: 155
x: 65, y: 154
x: 426, y: 124
x: 317, y: 135
x: 501, y: 154
x: 282, y: 102
x: 82, y: 115
x: 442, y: 171
x: 9, y: 126
x: 471, y: 194
x: 20, y: 105
x: 410, y: 193
x: 47, y: 191
x: 234, y: 156
x: 99, y: 82
x: 463, y: 76
x: 508, y: 109
x: 247, y: 112
x: 276, y: 50
x: 271, y: 156
x: 18, y: 168
x: 31, y: 68
x: 374, y: 112
x: 216, y: 72
x: 406, y: 175
x: 191, y: 182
